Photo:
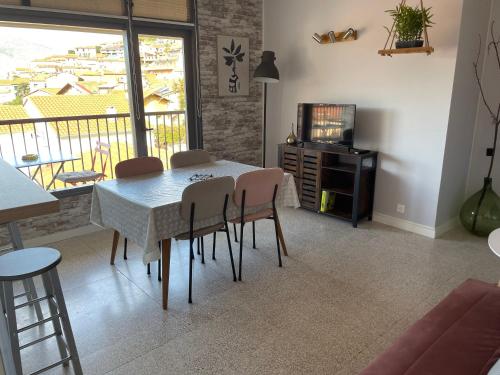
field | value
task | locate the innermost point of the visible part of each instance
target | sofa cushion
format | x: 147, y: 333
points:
x: 460, y: 336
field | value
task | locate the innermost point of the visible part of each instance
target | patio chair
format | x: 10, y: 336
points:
x: 258, y: 189
x: 202, y: 201
x: 187, y: 159
x: 103, y: 150
x: 137, y: 167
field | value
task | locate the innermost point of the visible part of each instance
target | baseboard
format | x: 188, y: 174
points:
x: 446, y: 227
x: 406, y: 225
x: 61, y: 236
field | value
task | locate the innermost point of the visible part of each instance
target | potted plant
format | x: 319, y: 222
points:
x: 409, y: 24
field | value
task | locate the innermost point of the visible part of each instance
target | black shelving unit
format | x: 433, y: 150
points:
x: 349, y: 176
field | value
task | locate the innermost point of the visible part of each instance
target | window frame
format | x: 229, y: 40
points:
x: 184, y: 30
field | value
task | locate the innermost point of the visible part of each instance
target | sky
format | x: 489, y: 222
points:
x: 19, y: 46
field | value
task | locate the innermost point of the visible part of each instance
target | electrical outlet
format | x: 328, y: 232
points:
x: 401, y: 208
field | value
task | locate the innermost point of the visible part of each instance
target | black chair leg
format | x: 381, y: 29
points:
x: 241, y: 250
x: 235, y: 236
x: 149, y: 269
x: 253, y: 233
x: 191, y: 257
x: 213, y: 250
x: 202, y: 251
x: 230, y: 253
x: 198, y: 245
x: 125, y: 249
x: 277, y: 240
x: 159, y: 263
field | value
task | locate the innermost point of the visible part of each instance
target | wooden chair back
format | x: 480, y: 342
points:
x: 138, y: 167
x: 188, y: 158
x: 258, y: 185
x: 208, y: 198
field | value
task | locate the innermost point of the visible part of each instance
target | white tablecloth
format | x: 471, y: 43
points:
x: 146, y: 209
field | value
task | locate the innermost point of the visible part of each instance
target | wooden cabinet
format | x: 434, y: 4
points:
x: 346, y: 180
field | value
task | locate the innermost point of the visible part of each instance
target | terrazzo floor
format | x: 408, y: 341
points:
x: 341, y: 298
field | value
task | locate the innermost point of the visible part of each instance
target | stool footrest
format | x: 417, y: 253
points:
x: 21, y: 305
x: 38, y: 340
x: 62, y: 361
x: 39, y: 323
x: 21, y: 295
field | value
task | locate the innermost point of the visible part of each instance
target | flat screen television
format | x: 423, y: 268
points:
x: 326, y: 123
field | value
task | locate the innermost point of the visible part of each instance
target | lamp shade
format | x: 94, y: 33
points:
x: 267, y: 72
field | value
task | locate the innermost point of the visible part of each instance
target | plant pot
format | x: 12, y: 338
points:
x: 480, y: 214
x: 409, y: 43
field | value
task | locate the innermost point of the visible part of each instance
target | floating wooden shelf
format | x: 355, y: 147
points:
x: 405, y: 51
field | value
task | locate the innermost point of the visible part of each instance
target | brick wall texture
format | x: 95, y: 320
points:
x: 231, y: 125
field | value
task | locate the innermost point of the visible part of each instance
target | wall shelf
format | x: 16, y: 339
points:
x: 405, y: 51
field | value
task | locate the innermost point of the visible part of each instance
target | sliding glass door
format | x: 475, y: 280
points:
x: 164, y: 95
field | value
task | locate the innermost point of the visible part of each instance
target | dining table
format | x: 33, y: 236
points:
x: 146, y: 209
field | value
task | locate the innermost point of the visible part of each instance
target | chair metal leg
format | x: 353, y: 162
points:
x: 253, y: 234
x: 241, y: 249
x: 202, y: 251
x: 66, y: 325
x: 149, y: 269
x: 55, y: 322
x: 277, y: 241
x: 230, y: 252
x: 235, y: 236
x: 198, y: 245
x: 191, y: 256
x: 125, y: 248
x: 12, y: 327
x: 213, y: 249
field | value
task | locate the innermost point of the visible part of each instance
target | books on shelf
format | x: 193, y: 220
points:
x: 327, y: 201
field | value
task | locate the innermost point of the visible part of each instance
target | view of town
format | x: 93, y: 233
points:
x: 64, y: 95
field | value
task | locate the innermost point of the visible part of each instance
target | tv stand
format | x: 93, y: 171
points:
x: 343, y: 180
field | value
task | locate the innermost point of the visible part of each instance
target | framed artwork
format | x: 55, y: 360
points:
x: 233, y: 66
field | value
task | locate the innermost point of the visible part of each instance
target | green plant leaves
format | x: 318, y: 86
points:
x: 409, y: 21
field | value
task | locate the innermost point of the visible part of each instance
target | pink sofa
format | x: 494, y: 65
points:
x: 460, y: 336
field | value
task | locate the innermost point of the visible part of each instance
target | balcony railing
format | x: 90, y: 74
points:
x: 74, y: 138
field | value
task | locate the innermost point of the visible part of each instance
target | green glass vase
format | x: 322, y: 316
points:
x: 480, y: 214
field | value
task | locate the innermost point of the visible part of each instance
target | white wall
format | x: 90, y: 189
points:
x: 475, y: 22
x: 403, y: 102
x: 483, y: 137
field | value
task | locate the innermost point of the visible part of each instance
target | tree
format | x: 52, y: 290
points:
x: 22, y: 90
x: 179, y: 87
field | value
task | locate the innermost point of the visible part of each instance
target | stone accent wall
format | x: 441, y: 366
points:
x: 74, y: 213
x: 232, y: 126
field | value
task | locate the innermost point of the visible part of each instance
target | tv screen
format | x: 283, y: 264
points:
x: 332, y: 123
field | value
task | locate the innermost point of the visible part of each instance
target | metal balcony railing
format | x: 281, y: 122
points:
x: 74, y: 138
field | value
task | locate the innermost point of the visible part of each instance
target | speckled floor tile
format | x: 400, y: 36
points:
x: 342, y: 296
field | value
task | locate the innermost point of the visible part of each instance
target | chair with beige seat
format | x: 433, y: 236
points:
x: 258, y: 190
x: 133, y: 168
x: 204, y: 205
x: 189, y: 158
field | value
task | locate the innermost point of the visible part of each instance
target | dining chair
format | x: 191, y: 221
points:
x: 258, y: 190
x: 101, y: 152
x: 202, y: 203
x: 189, y: 158
x: 131, y: 168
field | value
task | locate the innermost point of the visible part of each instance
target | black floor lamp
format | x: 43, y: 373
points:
x: 266, y: 72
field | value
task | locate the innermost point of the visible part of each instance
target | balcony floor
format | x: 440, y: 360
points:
x: 342, y: 296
